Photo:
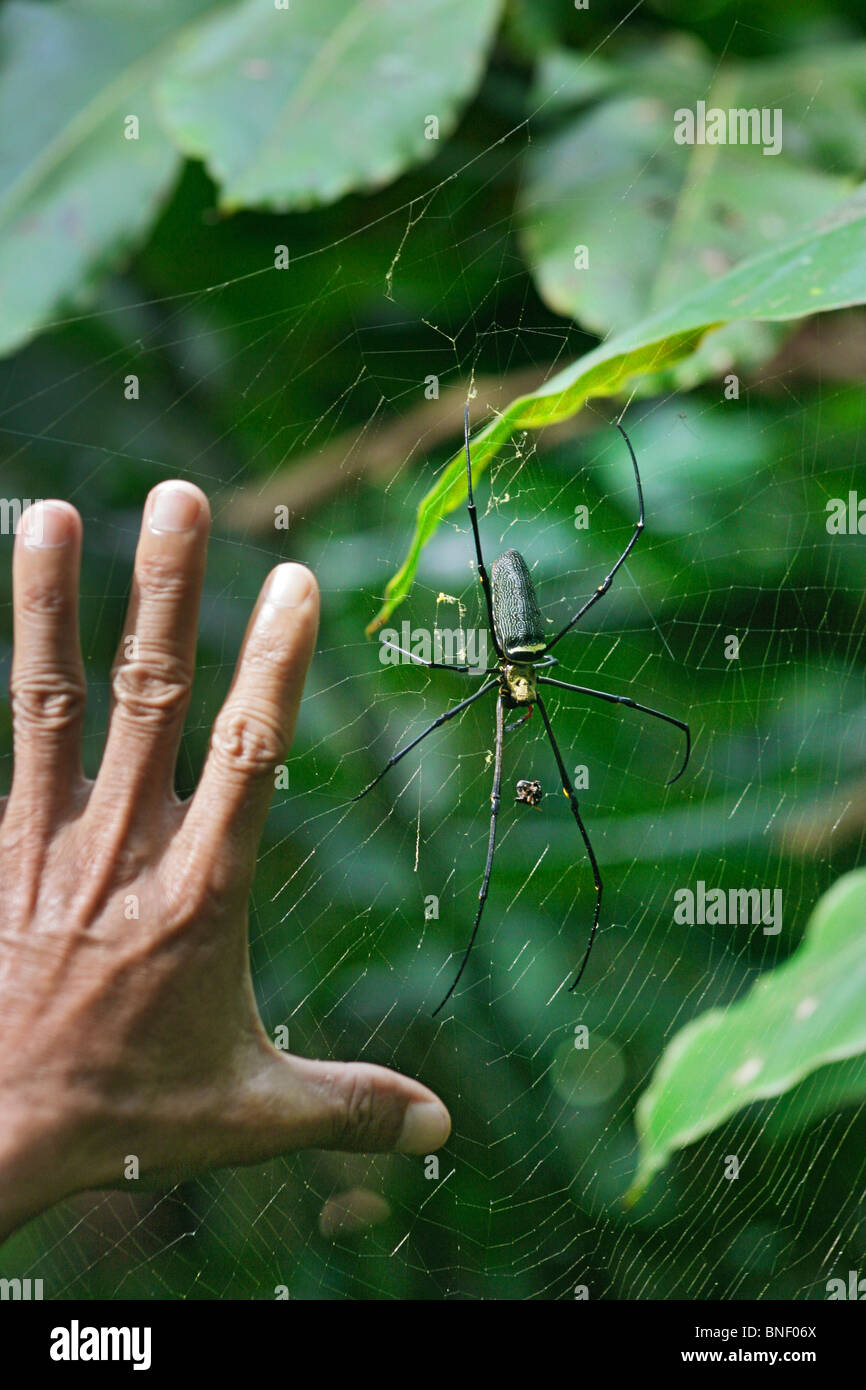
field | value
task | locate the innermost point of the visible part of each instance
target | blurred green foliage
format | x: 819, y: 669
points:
x: 244, y: 371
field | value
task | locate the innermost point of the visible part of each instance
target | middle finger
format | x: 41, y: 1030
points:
x: 153, y: 670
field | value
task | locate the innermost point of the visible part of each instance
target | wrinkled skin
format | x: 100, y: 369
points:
x: 127, y: 1019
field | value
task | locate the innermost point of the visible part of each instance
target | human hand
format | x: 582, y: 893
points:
x: 128, y: 1024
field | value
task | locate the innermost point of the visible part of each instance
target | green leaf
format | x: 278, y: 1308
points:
x: 294, y: 107
x: 828, y: 1090
x: 661, y: 219
x: 823, y: 269
x: 74, y: 192
x: 804, y: 1015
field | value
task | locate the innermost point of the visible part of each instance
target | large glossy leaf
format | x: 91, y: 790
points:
x: 804, y: 1015
x: 659, y: 218
x: 293, y: 107
x: 823, y: 269
x: 74, y: 192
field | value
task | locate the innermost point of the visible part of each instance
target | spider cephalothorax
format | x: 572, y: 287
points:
x: 516, y: 626
x: 518, y: 685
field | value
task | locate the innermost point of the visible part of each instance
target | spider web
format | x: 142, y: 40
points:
x: 527, y: 1200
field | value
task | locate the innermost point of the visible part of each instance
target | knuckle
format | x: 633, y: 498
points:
x: 361, y: 1117
x: 246, y: 740
x: 107, y: 869
x: 127, y: 861
x: 50, y: 700
x: 45, y: 600
x: 152, y: 690
x: 265, y: 659
x: 354, y: 1117
x: 194, y: 909
x: 204, y: 893
x: 21, y: 842
x: 159, y: 578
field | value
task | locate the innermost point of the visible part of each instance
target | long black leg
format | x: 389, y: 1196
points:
x: 632, y: 704
x: 544, y: 664
x: 442, y: 719
x: 440, y: 665
x: 572, y: 799
x: 495, y: 798
x: 608, y: 580
x: 473, y: 517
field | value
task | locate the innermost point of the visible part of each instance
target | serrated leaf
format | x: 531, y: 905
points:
x: 823, y: 269
x: 294, y: 107
x: 800, y: 1017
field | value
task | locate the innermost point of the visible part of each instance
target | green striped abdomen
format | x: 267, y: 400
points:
x: 516, y: 614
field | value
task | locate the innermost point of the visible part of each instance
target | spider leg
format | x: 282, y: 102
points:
x: 439, y: 665
x: 495, y: 798
x: 632, y: 704
x: 509, y: 728
x: 442, y: 719
x: 473, y: 517
x: 608, y: 580
x: 572, y: 799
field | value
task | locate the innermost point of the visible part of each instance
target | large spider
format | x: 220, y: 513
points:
x: 523, y: 652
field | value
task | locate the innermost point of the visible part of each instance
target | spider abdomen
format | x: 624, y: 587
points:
x: 516, y: 614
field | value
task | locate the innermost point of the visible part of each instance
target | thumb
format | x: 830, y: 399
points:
x: 353, y: 1106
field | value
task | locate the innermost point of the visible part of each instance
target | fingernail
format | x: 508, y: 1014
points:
x: 426, y: 1126
x: 173, y: 507
x: 46, y: 524
x: 288, y: 586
